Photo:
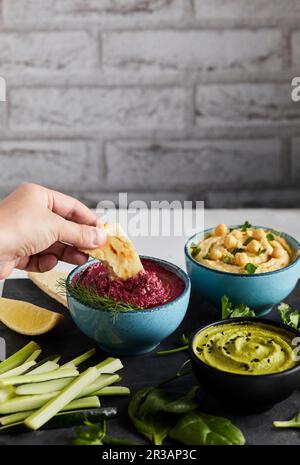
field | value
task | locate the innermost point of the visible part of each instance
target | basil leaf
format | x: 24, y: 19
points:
x: 202, y: 429
x: 251, y: 268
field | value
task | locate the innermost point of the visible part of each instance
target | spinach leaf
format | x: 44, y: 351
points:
x: 159, y: 400
x: 153, y: 427
x: 289, y: 317
x: 201, y: 429
x: 292, y: 423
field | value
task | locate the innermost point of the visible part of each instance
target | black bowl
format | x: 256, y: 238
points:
x: 245, y: 393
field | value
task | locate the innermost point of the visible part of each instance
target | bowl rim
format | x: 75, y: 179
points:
x: 267, y: 321
x: 289, y: 239
x: 176, y: 269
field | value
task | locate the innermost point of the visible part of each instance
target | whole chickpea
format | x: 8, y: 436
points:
x: 237, y: 234
x: 230, y: 242
x: 259, y: 233
x: 221, y: 230
x: 253, y: 246
x: 241, y: 259
x: 278, y: 252
x: 216, y: 254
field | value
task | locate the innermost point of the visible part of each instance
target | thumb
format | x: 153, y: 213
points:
x: 81, y: 235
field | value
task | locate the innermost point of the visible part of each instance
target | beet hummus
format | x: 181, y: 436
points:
x: 152, y: 287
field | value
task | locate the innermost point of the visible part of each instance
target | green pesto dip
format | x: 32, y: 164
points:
x: 245, y: 348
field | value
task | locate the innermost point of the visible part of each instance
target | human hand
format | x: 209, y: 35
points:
x: 39, y: 226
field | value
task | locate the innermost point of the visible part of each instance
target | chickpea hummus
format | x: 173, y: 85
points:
x: 244, y: 249
x: 245, y: 348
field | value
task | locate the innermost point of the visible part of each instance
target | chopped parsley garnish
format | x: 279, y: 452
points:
x: 195, y: 250
x: 237, y: 250
x: 261, y: 251
x: 270, y: 237
x: 251, y: 268
x: 245, y: 226
x: 248, y: 240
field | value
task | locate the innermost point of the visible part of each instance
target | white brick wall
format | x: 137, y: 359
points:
x: 161, y: 98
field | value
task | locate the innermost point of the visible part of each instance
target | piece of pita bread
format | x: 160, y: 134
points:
x: 118, y: 253
x: 47, y: 282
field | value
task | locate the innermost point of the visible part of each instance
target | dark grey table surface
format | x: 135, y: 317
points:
x: 146, y: 370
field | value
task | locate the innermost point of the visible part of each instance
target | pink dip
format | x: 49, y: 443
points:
x: 153, y: 286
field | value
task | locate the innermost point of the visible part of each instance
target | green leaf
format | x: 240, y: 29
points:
x: 270, y: 237
x: 289, y: 317
x: 240, y: 310
x: 261, y: 251
x: 92, y: 434
x: 245, y: 226
x: 248, y: 240
x: 195, y: 250
x: 237, y: 250
x: 201, y: 429
x: 155, y: 428
x: 159, y: 400
x: 251, y: 268
x: 226, y: 307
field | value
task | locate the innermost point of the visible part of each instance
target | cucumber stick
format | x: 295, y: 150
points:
x: 18, y: 370
x: 85, y: 402
x: 6, y: 393
x: 47, y: 366
x: 113, y: 391
x: 81, y: 358
x: 38, y: 377
x: 19, y: 357
x: 59, y: 384
x: 53, y: 406
x: 34, y: 355
x: 44, y: 387
x: 23, y: 403
x: 110, y: 365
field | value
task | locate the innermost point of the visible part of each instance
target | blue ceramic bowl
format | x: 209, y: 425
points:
x: 134, y: 332
x: 259, y: 291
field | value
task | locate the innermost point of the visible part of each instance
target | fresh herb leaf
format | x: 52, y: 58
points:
x: 292, y: 423
x: 201, y: 429
x: 195, y: 251
x: 90, y: 296
x: 248, y: 240
x: 245, y: 226
x: 288, y: 316
x: 240, y: 310
x: 237, y: 250
x: 227, y: 260
x: 251, y: 268
x: 270, y: 237
x: 261, y: 251
x: 92, y: 434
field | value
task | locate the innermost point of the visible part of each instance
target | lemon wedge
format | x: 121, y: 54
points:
x: 26, y: 318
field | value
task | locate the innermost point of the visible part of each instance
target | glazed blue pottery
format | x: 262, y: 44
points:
x: 131, y: 332
x: 259, y: 291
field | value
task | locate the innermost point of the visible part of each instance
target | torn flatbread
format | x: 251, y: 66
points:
x: 118, y: 253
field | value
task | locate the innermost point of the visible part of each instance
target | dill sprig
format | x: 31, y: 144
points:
x: 90, y: 296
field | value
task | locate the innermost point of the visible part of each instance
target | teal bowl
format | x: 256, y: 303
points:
x: 131, y: 332
x: 259, y: 291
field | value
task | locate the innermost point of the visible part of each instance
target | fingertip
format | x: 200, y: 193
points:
x: 99, y: 237
x: 47, y: 262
